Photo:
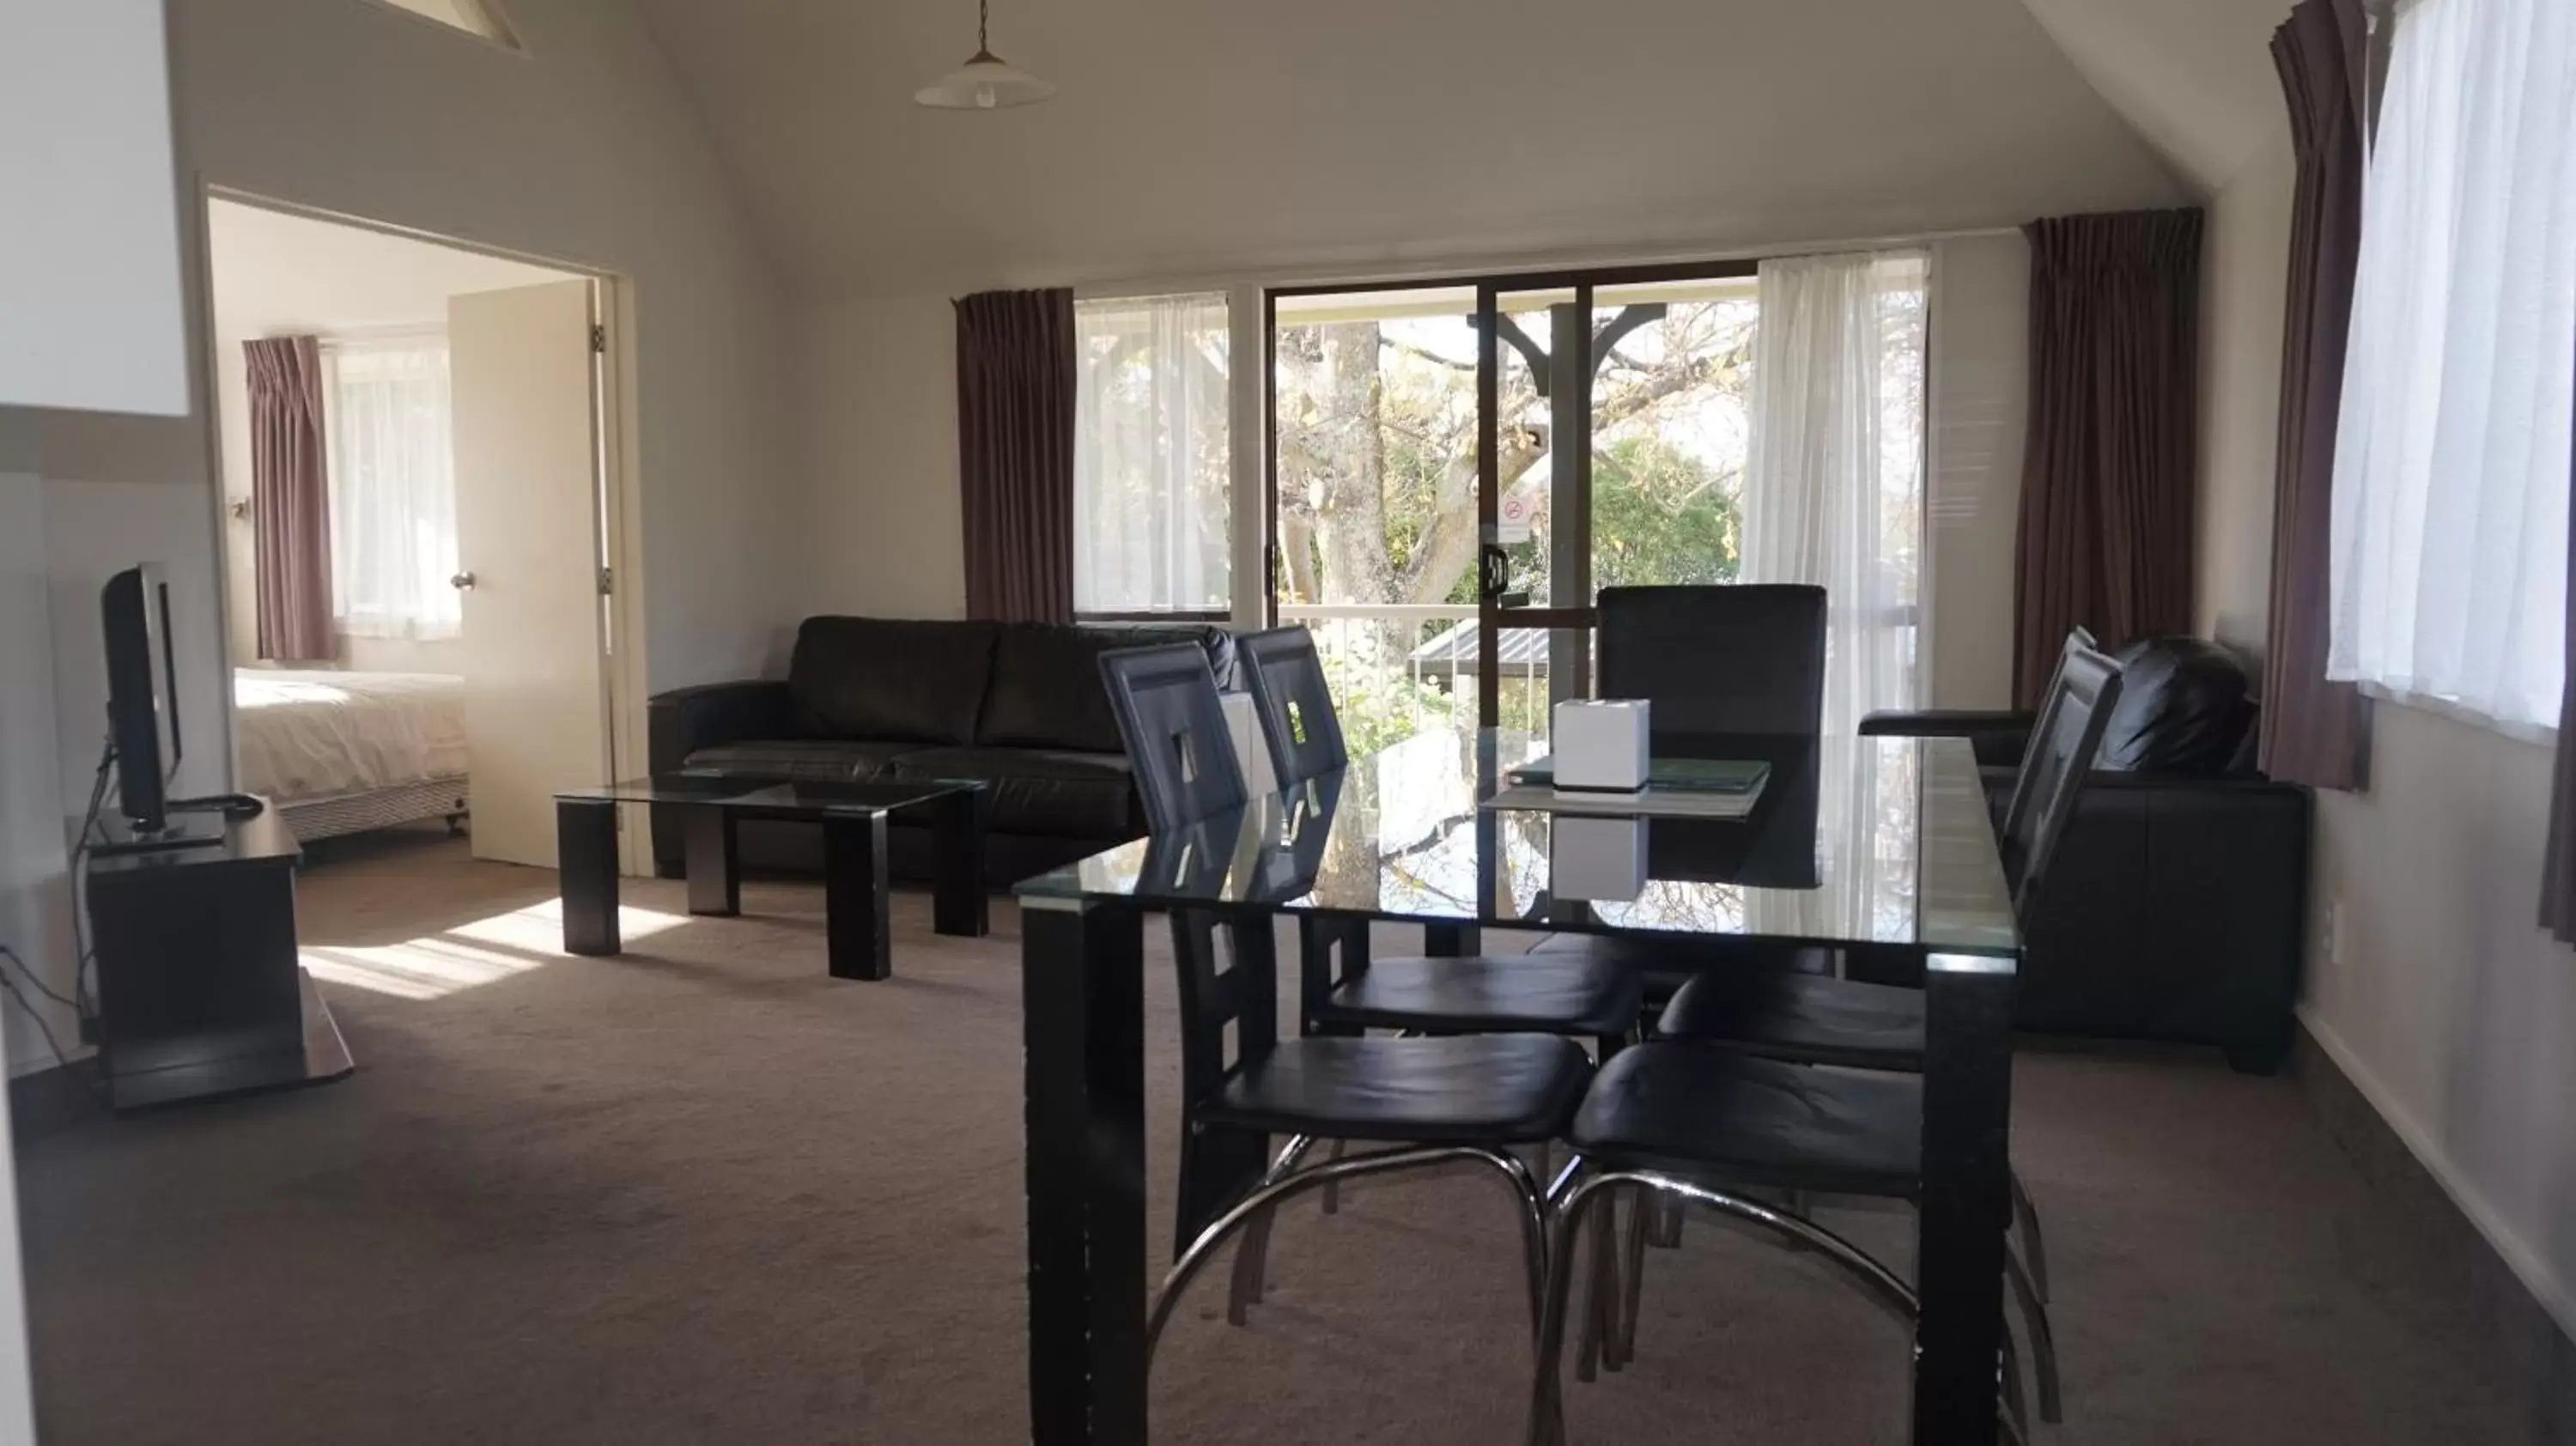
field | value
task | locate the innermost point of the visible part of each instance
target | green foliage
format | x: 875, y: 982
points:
x: 1660, y: 516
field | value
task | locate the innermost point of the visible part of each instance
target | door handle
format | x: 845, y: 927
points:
x: 462, y: 582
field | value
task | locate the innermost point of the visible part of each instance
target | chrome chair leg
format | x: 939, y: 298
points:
x: 2043, y: 1341
x: 1533, y: 1218
x: 1252, y: 1258
x: 2028, y: 1215
x: 1545, y: 1422
x: 1667, y: 1220
x: 2016, y: 1415
x: 1592, y: 1348
x: 1632, y: 1274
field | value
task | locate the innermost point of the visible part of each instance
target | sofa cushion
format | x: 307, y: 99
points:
x: 1046, y: 690
x: 2185, y: 707
x: 889, y: 679
x: 800, y: 760
x: 1040, y: 791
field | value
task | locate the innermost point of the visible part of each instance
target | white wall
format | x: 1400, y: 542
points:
x: 1977, y: 413
x: 2245, y: 275
x: 877, y: 399
x: 88, y: 274
x: 2428, y: 981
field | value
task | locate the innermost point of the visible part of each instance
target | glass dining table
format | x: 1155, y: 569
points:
x: 1882, y: 848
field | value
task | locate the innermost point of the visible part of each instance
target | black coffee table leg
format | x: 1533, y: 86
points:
x: 586, y: 859
x: 855, y: 897
x: 957, y: 904
x: 715, y: 874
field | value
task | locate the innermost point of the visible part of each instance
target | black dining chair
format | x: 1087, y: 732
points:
x: 1822, y: 1019
x: 1343, y: 990
x: 1423, y: 1101
x: 1704, y: 1125
x: 1732, y: 660
x: 1575, y: 995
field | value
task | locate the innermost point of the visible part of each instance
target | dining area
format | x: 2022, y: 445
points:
x: 1755, y: 1016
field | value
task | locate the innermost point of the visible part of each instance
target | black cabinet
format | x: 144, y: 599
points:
x: 200, y: 991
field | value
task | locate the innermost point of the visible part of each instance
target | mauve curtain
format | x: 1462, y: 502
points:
x: 290, y: 497
x: 2312, y: 728
x: 2558, y: 865
x: 2106, y: 495
x: 1016, y: 381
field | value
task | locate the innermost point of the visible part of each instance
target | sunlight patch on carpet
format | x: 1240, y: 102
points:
x: 479, y: 952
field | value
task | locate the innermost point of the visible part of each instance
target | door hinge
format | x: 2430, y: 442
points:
x: 607, y: 582
x: 599, y: 339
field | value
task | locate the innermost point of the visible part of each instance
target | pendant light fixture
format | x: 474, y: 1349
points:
x: 984, y: 82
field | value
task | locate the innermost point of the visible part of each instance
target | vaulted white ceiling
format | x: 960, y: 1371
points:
x: 1221, y: 137
x: 2194, y: 76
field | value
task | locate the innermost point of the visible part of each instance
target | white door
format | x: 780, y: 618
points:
x: 527, y: 544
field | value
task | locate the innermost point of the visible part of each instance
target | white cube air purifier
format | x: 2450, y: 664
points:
x: 1600, y: 745
x: 1596, y: 858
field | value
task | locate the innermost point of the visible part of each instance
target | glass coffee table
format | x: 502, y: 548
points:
x: 853, y: 818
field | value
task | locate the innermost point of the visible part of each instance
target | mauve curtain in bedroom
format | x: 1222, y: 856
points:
x: 290, y: 496
x: 1016, y: 386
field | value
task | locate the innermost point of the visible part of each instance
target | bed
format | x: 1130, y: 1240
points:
x: 343, y: 752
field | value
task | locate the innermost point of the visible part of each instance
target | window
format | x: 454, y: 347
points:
x: 1151, y: 462
x: 2451, y: 455
x: 393, y: 489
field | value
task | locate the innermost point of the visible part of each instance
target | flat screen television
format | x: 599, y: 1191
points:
x: 142, y: 696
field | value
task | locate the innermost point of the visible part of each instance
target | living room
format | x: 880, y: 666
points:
x: 706, y: 1189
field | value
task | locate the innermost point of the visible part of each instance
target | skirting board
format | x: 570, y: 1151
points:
x: 2516, y: 1302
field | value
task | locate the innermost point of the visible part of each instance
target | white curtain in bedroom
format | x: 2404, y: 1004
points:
x: 393, y: 489
x: 1833, y: 490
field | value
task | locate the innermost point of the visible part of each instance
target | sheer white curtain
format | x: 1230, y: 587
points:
x: 393, y: 489
x: 1150, y: 459
x: 2450, y: 487
x: 1833, y: 490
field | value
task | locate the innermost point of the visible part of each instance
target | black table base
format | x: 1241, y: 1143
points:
x: 857, y: 894
x: 1083, y: 1009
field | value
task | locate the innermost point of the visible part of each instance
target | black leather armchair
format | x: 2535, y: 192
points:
x: 2176, y: 907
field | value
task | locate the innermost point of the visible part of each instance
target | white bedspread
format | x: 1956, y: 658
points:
x: 320, y: 734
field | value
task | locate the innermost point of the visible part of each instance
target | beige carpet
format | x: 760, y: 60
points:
x: 703, y: 1194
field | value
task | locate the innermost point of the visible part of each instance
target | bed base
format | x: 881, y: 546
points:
x: 347, y: 813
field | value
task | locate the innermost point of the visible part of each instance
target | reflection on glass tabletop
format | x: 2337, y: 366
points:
x: 1854, y: 840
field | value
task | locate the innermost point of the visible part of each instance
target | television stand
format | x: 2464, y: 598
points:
x: 201, y: 993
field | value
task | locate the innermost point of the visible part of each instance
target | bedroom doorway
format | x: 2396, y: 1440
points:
x: 423, y: 598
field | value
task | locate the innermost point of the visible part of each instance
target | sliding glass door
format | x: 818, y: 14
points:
x: 1459, y: 467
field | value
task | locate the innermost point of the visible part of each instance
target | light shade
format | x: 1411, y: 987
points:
x: 983, y: 83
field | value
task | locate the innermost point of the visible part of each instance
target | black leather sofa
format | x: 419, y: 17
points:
x: 2176, y: 908
x: 1019, y: 705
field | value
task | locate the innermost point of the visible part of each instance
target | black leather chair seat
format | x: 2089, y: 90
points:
x: 1572, y: 994
x: 1661, y: 968
x: 1754, y: 1122
x: 799, y: 760
x: 1468, y: 1088
x: 1801, y: 1017
x: 1037, y: 791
